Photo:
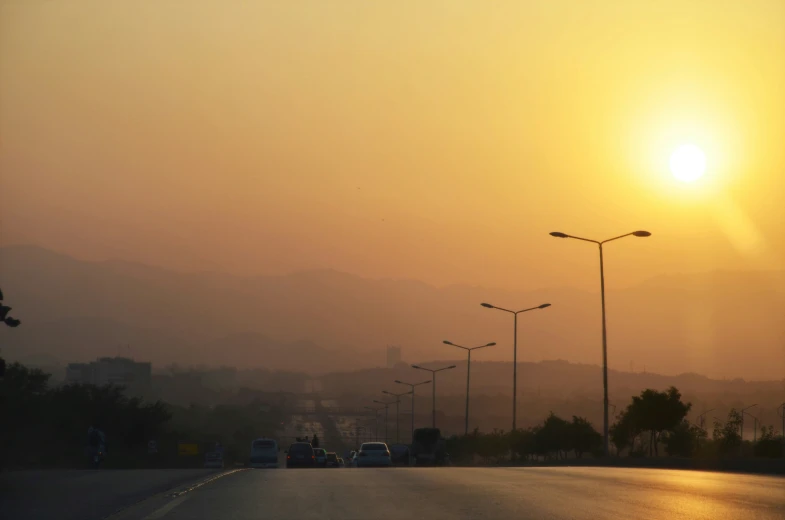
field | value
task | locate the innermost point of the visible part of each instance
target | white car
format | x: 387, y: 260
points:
x: 373, y: 454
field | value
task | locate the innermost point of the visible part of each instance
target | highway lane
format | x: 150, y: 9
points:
x: 476, y: 493
x: 84, y: 494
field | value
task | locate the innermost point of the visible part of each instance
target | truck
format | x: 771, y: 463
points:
x: 428, y: 447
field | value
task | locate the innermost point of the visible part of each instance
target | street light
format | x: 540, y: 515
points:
x: 412, y: 385
x: 755, y: 422
x: 376, y: 418
x: 641, y: 234
x: 468, y: 373
x: 515, y: 353
x: 433, y: 377
x: 397, y: 411
x: 386, y: 405
x: 741, y: 429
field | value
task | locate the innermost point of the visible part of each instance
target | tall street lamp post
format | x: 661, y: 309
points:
x: 386, y: 422
x: 397, y: 412
x: 412, y: 385
x: 600, y: 243
x: 468, y: 378
x: 433, y: 388
x: 741, y: 427
x: 515, y: 354
x: 376, y: 418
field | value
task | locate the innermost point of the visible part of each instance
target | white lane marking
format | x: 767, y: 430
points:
x: 181, y: 496
x: 207, y: 481
x: 160, y: 512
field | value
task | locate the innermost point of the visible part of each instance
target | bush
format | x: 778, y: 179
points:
x: 47, y: 427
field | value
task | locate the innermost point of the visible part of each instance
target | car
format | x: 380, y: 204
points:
x: 399, y: 454
x: 300, y: 455
x: 213, y: 459
x: 373, y: 454
x: 321, y: 457
x: 332, y: 459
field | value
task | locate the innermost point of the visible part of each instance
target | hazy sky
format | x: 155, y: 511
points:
x: 438, y: 140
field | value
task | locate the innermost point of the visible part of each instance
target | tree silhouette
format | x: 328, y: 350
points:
x: 653, y: 412
x: 728, y: 435
x: 553, y: 436
x: 10, y: 322
x: 769, y: 445
x: 584, y: 437
x: 624, y: 432
x: 684, y: 439
x: 4, y: 317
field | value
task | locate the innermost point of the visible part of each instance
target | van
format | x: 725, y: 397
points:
x: 264, y: 453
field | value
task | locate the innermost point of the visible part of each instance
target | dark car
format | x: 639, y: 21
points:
x: 399, y: 453
x: 332, y: 460
x: 300, y: 455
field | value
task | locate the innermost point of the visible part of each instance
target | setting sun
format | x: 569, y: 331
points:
x: 688, y: 163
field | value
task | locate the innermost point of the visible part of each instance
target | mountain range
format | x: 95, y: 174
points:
x: 723, y: 324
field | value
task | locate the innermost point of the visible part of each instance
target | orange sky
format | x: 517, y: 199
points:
x: 433, y: 140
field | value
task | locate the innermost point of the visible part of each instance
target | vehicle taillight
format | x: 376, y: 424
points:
x: 313, y: 457
x: 288, y: 456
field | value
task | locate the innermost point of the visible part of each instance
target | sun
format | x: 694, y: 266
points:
x: 688, y: 163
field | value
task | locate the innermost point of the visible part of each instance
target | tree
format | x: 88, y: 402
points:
x: 4, y: 317
x: 522, y: 443
x: 769, y: 445
x: 727, y: 435
x: 683, y: 440
x: 493, y: 446
x: 10, y: 322
x: 553, y: 436
x: 657, y: 412
x: 464, y: 447
x: 584, y: 436
x: 625, y: 431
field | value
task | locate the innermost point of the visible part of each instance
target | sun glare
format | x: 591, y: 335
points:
x: 688, y: 163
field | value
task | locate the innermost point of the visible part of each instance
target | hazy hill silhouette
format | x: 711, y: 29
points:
x: 558, y: 386
x: 722, y: 324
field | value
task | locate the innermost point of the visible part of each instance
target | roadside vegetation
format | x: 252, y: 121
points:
x: 653, y: 424
x: 46, y: 426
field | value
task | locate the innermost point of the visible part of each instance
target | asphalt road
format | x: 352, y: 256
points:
x: 472, y: 493
x: 84, y: 494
